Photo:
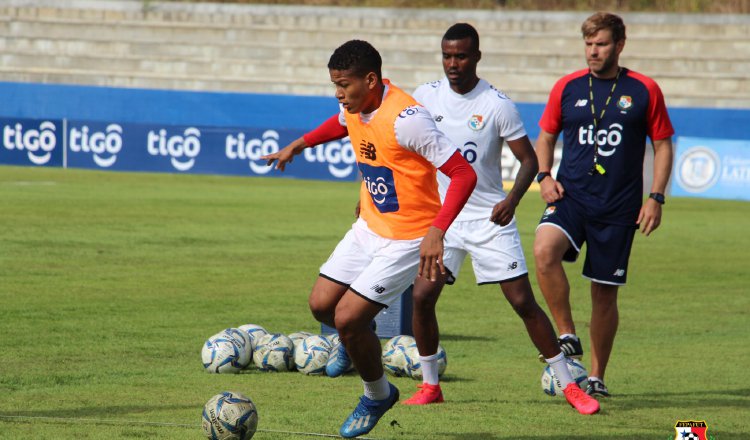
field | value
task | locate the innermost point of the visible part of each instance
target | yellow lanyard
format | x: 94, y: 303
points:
x: 598, y: 168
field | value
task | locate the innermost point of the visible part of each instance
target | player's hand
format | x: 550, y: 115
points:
x: 431, y: 255
x: 503, y: 212
x: 281, y: 157
x: 551, y: 190
x: 650, y: 216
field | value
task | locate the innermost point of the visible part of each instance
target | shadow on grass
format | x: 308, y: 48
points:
x: 682, y: 400
x: 506, y: 436
x: 94, y: 412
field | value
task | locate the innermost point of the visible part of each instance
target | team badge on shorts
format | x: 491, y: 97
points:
x: 691, y: 430
x: 625, y: 102
x: 549, y: 211
x: 476, y: 122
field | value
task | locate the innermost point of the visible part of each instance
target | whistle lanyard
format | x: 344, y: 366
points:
x: 597, y: 167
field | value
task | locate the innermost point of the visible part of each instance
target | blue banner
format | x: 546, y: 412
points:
x: 168, y: 148
x: 712, y: 168
x: 36, y: 142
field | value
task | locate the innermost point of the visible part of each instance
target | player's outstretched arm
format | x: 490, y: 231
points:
x: 329, y: 130
x: 503, y: 212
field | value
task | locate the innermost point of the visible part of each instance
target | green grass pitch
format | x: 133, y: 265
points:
x: 111, y: 282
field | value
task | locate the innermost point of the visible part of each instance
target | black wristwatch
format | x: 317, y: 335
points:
x: 541, y: 176
x: 659, y: 197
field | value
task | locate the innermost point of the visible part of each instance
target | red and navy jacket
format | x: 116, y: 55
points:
x: 636, y: 110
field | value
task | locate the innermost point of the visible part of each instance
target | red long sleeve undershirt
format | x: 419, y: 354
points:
x: 462, y: 175
x: 463, y: 180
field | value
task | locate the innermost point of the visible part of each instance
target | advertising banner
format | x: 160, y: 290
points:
x: 32, y: 142
x: 712, y: 168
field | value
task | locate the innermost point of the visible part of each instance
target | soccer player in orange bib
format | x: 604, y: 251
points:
x: 399, y: 233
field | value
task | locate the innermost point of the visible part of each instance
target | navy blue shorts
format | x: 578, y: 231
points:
x: 607, y: 245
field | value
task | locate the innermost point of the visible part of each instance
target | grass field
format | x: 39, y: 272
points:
x: 110, y: 283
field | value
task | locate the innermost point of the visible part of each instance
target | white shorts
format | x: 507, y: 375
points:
x: 496, y: 252
x: 375, y: 268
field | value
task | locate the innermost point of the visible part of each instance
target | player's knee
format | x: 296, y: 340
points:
x: 321, y: 310
x: 544, y: 257
x: 524, y: 305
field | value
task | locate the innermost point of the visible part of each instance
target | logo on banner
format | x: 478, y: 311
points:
x: 181, y: 149
x: 698, y: 169
x: 252, y: 149
x: 381, y: 186
x: 338, y: 155
x: 103, y: 144
x: 691, y: 430
x: 38, y: 143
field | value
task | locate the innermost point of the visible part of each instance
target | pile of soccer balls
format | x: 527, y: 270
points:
x: 401, y: 358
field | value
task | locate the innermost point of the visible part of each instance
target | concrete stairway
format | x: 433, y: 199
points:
x: 699, y: 61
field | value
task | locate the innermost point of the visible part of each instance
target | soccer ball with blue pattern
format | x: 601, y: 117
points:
x: 228, y: 351
x: 255, y: 332
x: 312, y: 355
x: 273, y: 352
x: 550, y: 384
x: 229, y: 416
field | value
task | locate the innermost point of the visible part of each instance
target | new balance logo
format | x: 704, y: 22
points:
x: 581, y: 102
x: 513, y: 265
x: 367, y: 150
x: 438, y: 118
x: 378, y: 288
x: 619, y: 273
x: 359, y: 422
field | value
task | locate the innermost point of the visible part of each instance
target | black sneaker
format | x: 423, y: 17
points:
x: 597, y: 388
x: 571, y: 347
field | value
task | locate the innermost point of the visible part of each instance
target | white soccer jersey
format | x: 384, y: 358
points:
x: 478, y: 123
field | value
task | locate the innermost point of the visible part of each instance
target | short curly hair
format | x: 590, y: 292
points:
x: 358, y: 56
x: 459, y: 31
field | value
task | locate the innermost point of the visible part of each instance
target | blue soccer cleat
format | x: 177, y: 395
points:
x: 367, y: 413
x: 339, y: 363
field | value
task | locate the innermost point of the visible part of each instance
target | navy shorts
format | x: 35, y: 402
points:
x: 607, y: 245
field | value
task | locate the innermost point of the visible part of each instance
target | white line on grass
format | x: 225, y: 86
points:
x: 138, y: 422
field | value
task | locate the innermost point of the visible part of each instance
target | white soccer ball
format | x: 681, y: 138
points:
x: 414, y: 364
x: 255, y: 332
x: 273, y: 352
x: 226, y: 352
x: 229, y: 416
x: 550, y: 384
x: 394, y: 361
x: 312, y: 355
x: 400, y: 340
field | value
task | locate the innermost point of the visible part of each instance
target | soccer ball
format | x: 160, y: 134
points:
x: 690, y: 436
x: 312, y: 355
x: 550, y: 384
x: 394, y: 361
x: 297, y: 339
x: 414, y: 364
x: 226, y: 352
x: 273, y: 352
x: 334, y: 339
x: 400, y: 340
x: 255, y: 332
x: 229, y: 416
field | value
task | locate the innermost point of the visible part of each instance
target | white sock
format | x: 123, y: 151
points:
x: 430, y: 369
x: 559, y: 365
x: 568, y: 335
x: 377, y: 390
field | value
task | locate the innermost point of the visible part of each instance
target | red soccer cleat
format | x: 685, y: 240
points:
x: 427, y: 394
x: 579, y: 400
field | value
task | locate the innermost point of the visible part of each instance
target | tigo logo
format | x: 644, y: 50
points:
x: 237, y: 148
x: 104, y: 144
x: 39, y: 143
x: 604, y: 137
x: 182, y: 149
x: 338, y: 155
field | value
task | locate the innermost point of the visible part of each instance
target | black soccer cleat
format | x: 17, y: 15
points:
x: 597, y: 388
x: 571, y: 347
